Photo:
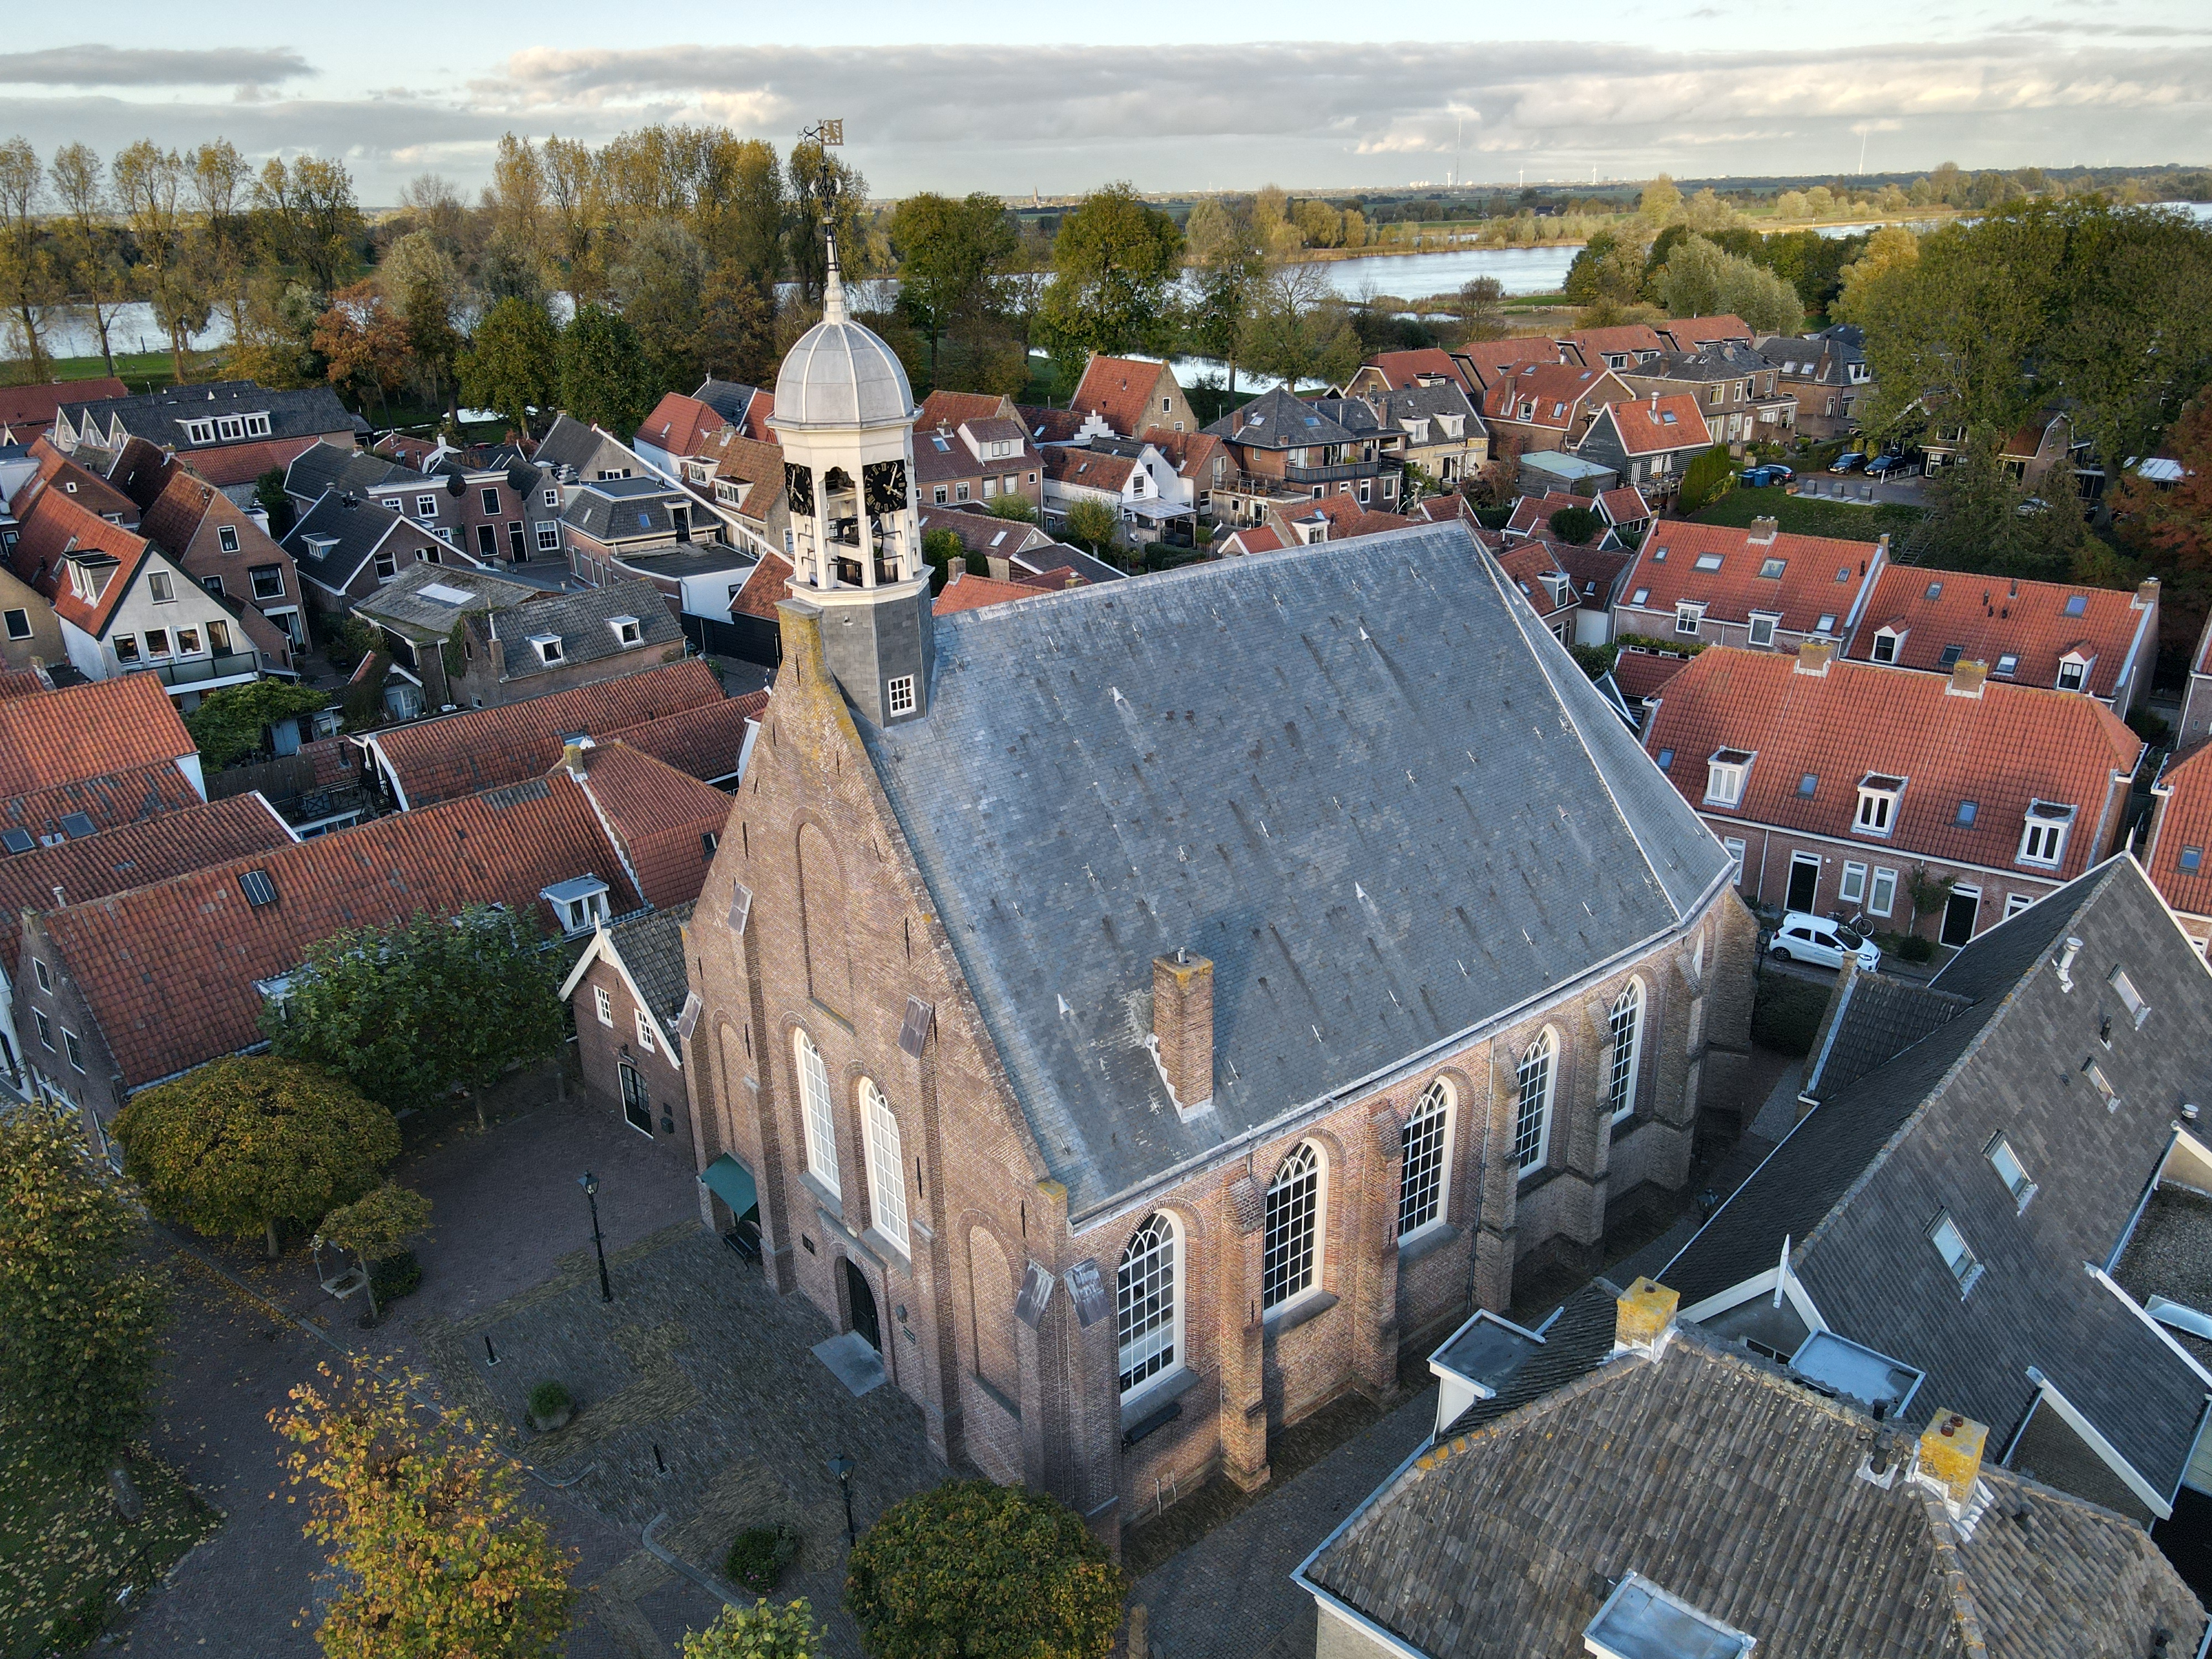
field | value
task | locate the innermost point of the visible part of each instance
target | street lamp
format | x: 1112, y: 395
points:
x: 590, y: 1183
x: 841, y: 1466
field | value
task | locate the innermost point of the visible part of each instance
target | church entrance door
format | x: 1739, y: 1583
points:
x: 863, y: 1305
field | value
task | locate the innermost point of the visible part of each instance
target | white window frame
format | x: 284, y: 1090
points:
x: 2043, y: 839
x: 1148, y: 1305
x: 898, y: 697
x: 1625, y: 1017
x: 645, y: 1038
x: 226, y: 538
x: 44, y: 976
x: 1735, y: 850
x: 426, y: 508
x: 549, y: 537
x: 1426, y: 1160
x: 73, y: 1046
x: 885, y: 1148
x: 1725, y: 780
x: 1886, y: 643
x: 1763, y: 624
x: 820, y: 1122
x: 1295, y: 1230
x: 1877, y: 812
x: 1536, y: 1081
x: 603, y: 1004
x: 1693, y: 614
x: 2074, y: 672
x: 1881, y: 892
x: 2131, y: 998
x: 1852, y: 889
x: 2010, y: 1170
x: 387, y: 567
x: 1957, y: 1255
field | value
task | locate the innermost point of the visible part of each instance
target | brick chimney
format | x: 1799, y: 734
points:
x: 1951, y: 1455
x: 955, y: 567
x: 1183, y: 1028
x: 1814, y: 656
x: 1763, y: 532
x: 2146, y: 593
x: 1966, y: 678
x: 1644, y: 1316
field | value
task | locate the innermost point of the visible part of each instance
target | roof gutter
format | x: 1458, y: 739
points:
x: 1335, y: 1603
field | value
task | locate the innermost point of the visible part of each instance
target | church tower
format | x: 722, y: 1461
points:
x: 845, y: 415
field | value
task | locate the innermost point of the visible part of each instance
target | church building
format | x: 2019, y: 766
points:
x: 1141, y: 1011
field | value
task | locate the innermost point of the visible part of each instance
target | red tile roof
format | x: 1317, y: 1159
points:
x: 748, y: 461
x: 704, y: 742
x: 1527, y: 565
x: 1630, y: 338
x: 1482, y: 361
x: 22, y: 682
x: 2009, y: 746
x: 169, y: 969
x: 1192, y: 453
x: 1546, y: 394
x: 1989, y: 617
x: 241, y: 464
x: 1402, y: 370
x: 1624, y: 504
x: 1688, y: 333
x: 1120, y: 391
x: 659, y: 816
x: 95, y: 731
x: 677, y: 423
x: 437, y: 760
x: 140, y: 469
x: 1067, y: 465
x: 1533, y: 512
x: 1645, y: 428
x: 1347, y: 517
x: 132, y: 855
x: 123, y: 797
x: 86, y: 489
x: 2183, y: 822
x: 943, y: 408
x: 972, y: 592
x: 1050, y: 426
x: 757, y: 410
x: 1819, y: 577
x: 1645, y: 673
x: 1257, y: 539
x: 28, y: 410
x: 767, y: 588
x: 54, y: 527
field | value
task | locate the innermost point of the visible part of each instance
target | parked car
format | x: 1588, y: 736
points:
x: 1765, y: 473
x: 1881, y: 466
x: 1850, y: 460
x: 1805, y: 938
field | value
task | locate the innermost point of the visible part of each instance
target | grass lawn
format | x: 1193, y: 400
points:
x: 1801, y: 515
x: 64, y: 1556
x: 141, y: 371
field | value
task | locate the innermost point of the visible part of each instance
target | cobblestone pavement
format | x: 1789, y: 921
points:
x: 1229, y: 1595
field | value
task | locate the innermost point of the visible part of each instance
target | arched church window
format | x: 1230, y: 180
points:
x: 1426, y: 1141
x: 1147, y: 1316
x: 814, y: 1107
x: 1290, y: 1260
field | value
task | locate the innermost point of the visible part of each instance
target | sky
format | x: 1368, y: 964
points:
x: 951, y: 96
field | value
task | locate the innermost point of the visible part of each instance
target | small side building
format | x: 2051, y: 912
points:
x: 628, y: 994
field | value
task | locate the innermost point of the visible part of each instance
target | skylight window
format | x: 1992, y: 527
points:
x: 2102, y: 1084
x: 1665, y: 759
x: 2192, y: 861
x: 1708, y: 562
x: 1949, y: 659
x: 1827, y: 624
x: 1772, y: 569
x: 2008, y: 664
x: 1935, y: 590
x: 1658, y: 555
x: 1967, y: 808
x: 2131, y: 998
x: 2077, y: 605
x: 259, y: 891
x: 2010, y: 1170
x: 77, y: 825
x: 1667, y: 417
x: 1639, y: 596
x: 1951, y: 1244
x: 1808, y: 783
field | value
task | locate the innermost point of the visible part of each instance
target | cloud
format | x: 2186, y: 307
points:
x: 91, y: 65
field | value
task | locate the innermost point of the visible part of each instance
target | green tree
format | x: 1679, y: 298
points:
x: 363, y: 343
x: 379, y: 1224
x: 440, y: 1555
x: 270, y: 497
x: 765, y: 1632
x: 409, y: 1012
x: 950, y: 254
x: 422, y: 288
x: 1114, y: 263
x: 1481, y: 307
x: 1013, y: 507
x: 244, y: 1144
x: 513, y: 363
x: 1660, y: 202
x: 736, y: 327
x: 1609, y: 266
x: 983, y: 1571
x: 1231, y: 255
x: 1891, y: 250
x: 28, y: 277
x: 1706, y: 478
x: 605, y: 377
x: 1700, y: 279
x: 229, y: 723
x: 1301, y: 330
x: 150, y: 184
x: 938, y: 549
x: 659, y: 282
x: 96, y: 276
x: 1091, y: 522
x: 1575, y: 524
x: 79, y: 1311
x: 1980, y: 519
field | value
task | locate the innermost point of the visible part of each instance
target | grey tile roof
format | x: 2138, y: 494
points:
x: 1388, y: 411
x: 651, y: 946
x: 1740, y: 1491
x: 1051, y: 556
x: 1874, y: 1020
x: 582, y: 447
x: 1856, y: 1184
x: 322, y: 467
x: 159, y: 416
x: 1277, y: 420
x: 1360, y: 778
x: 727, y: 399
x: 582, y: 622
x: 628, y: 510
x: 1576, y: 1342
x: 403, y: 606
x: 357, y: 528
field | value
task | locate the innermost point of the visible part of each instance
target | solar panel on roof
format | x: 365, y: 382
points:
x: 17, y: 841
x: 77, y: 826
x: 258, y: 887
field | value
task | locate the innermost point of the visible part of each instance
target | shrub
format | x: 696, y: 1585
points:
x: 761, y: 1633
x: 1913, y: 948
x: 548, y: 1399
x: 1786, y: 1013
x: 1575, y: 524
x: 228, y: 724
x: 1014, y: 507
x: 1706, y: 478
x: 759, y: 1556
x: 395, y: 1276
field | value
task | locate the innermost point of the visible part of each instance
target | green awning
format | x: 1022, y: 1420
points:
x: 731, y: 1183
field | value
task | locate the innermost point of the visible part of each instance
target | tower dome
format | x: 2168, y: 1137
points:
x: 840, y: 374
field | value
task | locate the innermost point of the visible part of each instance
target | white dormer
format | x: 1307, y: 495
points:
x: 1725, y: 774
x: 2073, y: 669
x: 2043, y: 837
x: 1689, y: 617
x: 579, y: 903
x: 1878, y: 797
x: 1888, y: 641
x: 548, y: 648
x: 626, y: 630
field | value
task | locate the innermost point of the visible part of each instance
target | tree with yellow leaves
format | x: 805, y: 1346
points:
x: 443, y: 1558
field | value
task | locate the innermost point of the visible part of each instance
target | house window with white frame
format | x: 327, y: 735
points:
x: 886, y: 1165
x: 1147, y: 1314
x: 814, y: 1107
x: 2073, y: 672
x: 226, y: 538
x: 1623, y: 1051
x: 2043, y: 837
x: 1426, y: 1144
x: 2009, y: 1170
x: 1878, y: 795
x: 1762, y: 628
x: 1852, y: 889
x: 548, y: 537
x: 645, y: 1040
x: 1532, y: 1116
x: 1951, y: 1244
x: 1687, y: 618
x: 900, y: 698
x: 1885, y: 641
x: 603, y: 1004
x: 1725, y: 773
x: 1881, y: 892
x: 1290, y: 1257
x: 1735, y: 851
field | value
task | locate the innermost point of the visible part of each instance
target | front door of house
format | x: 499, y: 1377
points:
x: 637, y: 1106
x: 487, y: 541
x: 863, y: 1305
x: 1958, y: 914
x: 1804, y: 882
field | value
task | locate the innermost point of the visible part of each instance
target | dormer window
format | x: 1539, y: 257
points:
x: 199, y: 432
x: 1687, y: 619
x: 2043, y: 840
x: 626, y: 630
x: 580, y: 904
x: 1886, y: 643
x: 548, y: 647
x: 2073, y: 671
x: 1763, y: 624
x: 1878, y: 796
x: 1725, y: 773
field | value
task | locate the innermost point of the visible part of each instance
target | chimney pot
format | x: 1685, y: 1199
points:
x: 1814, y: 656
x: 1643, y: 1316
x: 955, y: 567
x: 1183, y: 1028
x: 1951, y: 1455
x: 1967, y: 678
x: 1763, y: 530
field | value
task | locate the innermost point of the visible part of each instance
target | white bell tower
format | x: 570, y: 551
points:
x: 844, y: 414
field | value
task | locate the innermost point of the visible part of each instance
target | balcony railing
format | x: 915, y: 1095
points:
x: 1342, y: 470
x: 198, y: 671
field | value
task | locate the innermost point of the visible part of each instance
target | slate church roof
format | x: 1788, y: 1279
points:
x: 1360, y: 778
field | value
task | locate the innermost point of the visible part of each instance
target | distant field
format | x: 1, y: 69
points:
x: 141, y: 371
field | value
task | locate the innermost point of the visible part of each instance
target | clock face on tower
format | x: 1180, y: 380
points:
x: 885, y: 482
x: 799, y: 488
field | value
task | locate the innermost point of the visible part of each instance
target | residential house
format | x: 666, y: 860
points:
x: 515, y: 641
x: 949, y: 409
x: 30, y: 632
x: 320, y: 468
x: 1736, y: 391
x: 628, y: 996
x: 2173, y: 855
x: 575, y: 452
x: 746, y: 407
x: 744, y: 476
x: 1622, y: 1483
x: 753, y: 613
x: 1827, y: 372
x: 1254, y: 539
x: 1626, y: 511
x: 2100, y: 641
x: 2027, y: 456
x: 153, y: 981
x: 1553, y: 471
x: 346, y: 546
x: 1691, y: 333
x: 977, y: 460
x: 430, y: 760
x: 1200, y: 463
x: 52, y: 469
x: 1483, y: 364
x: 1401, y: 371
x: 126, y: 607
x: 1431, y: 427
x: 2197, y: 698
x: 29, y: 412
x: 1639, y: 674
x: 1008, y: 549
x: 1571, y: 586
x: 1282, y: 448
x: 1061, y: 426
x: 1122, y: 482
x: 1131, y: 393
x: 699, y: 579
x: 227, y: 432
x: 1532, y: 515
x: 496, y: 495
x: 1648, y: 443
x: 1301, y: 523
x: 1549, y: 589
x: 1716, y: 585
x: 1841, y: 786
x: 86, y: 862
x: 223, y: 546
x: 602, y: 522
x: 1616, y: 349
x: 1546, y: 405
x: 111, y: 752
x: 1993, y: 1190
x: 673, y: 432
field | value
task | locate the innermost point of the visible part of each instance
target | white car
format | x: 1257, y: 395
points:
x: 1802, y: 937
